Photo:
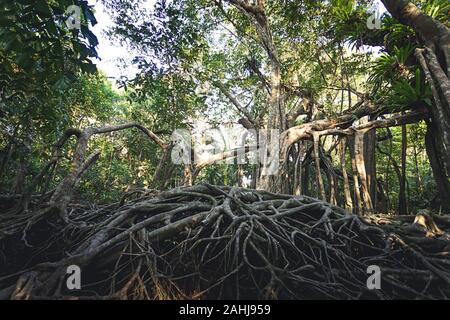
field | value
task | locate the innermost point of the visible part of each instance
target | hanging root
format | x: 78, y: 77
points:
x: 210, y: 242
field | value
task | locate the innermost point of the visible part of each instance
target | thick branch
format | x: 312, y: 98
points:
x: 63, y: 192
x: 149, y: 133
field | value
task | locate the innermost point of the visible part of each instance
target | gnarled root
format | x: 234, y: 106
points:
x: 216, y: 242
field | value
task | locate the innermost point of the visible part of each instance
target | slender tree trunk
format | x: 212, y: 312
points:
x: 397, y: 170
x: 419, y: 185
x: 383, y: 199
x: 18, y: 186
x: 255, y: 175
x: 331, y: 175
x: 319, y: 178
x: 370, y: 140
x: 306, y: 175
x: 64, y: 190
x: 361, y: 169
x: 357, y: 193
x: 239, y: 175
x: 298, y: 169
x: 332, y: 181
x: 163, y: 169
x: 348, y: 203
x: 402, y: 203
x: 188, y: 175
x: 7, y: 156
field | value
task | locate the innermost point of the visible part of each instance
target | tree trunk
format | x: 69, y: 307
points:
x: 332, y: 181
x: 18, y: 186
x: 383, y: 199
x: 255, y: 176
x: 239, y: 175
x: 434, y: 155
x: 164, y: 167
x: 435, y: 62
x: 419, y: 184
x: 306, y: 175
x: 348, y: 204
x: 397, y: 170
x: 319, y: 178
x: 402, y: 203
x: 188, y: 176
x: 370, y: 140
x: 275, y: 182
x: 357, y: 193
x: 298, y: 168
x: 361, y: 169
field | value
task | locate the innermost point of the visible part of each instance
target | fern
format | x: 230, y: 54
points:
x: 437, y: 9
x: 389, y: 68
x: 409, y: 92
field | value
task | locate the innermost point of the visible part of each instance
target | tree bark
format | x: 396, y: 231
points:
x: 434, y: 156
x: 239, y: 175
x: 432, y: 33
x: 356, y: 190
x: 361, y: 169
x: 435, y: 62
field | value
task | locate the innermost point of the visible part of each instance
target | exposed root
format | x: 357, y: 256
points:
x: 215, y: 242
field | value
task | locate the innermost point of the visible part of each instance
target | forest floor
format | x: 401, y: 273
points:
x: 216, y: 242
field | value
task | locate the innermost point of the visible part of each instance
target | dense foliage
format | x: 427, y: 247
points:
x: 192, y: 56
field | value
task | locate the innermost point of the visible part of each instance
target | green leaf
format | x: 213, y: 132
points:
x: 5, y: 21
x: 43, y: 8
x: 88, y: 67
x: 90, y: 16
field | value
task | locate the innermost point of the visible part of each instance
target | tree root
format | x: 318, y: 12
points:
x: 211, y: 242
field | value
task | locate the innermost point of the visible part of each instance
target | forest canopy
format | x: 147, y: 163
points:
x: 273, y: 133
